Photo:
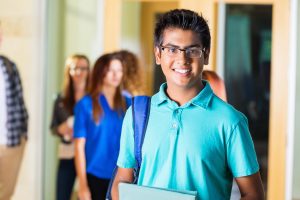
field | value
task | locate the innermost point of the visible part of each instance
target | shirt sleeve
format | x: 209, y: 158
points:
x: 126, y: 156
x: 80, y: 125
x: 59, y: 114
x: 55, y: 121
x: 241, y: 154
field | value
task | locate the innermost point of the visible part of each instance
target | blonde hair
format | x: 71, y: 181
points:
x: 68, y: 90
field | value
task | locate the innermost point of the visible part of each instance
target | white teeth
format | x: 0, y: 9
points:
x: 182, y: 71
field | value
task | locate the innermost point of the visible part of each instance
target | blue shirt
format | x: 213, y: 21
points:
x: 199, y: 146
x: 102, y: 139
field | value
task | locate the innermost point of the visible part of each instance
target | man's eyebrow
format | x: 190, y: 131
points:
x: 194, y: 45
x: 171, y: 45
x: 190, y: 46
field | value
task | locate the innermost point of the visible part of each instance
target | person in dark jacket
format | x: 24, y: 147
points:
x: 74, y: 88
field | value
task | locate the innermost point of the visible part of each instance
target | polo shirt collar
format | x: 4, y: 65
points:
x: 202, y: 99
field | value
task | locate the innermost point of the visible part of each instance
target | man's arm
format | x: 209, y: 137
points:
x: 123, y: 175
x: 251, y: 187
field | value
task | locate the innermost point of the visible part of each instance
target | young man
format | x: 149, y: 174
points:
x: 13, y: 126
x: 194, y: 140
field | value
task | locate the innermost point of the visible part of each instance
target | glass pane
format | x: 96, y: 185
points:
x: 248, y: 35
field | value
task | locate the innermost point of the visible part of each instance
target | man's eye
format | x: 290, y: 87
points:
x: 193, y: 51
x: 172, y: 50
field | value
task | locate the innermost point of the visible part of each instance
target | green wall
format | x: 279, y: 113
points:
x: 54, y: 64
x: 72, y: 27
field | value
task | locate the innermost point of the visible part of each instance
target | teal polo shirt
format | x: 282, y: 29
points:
x: 199, y: 146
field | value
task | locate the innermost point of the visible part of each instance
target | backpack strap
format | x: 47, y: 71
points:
x: 140, y: 115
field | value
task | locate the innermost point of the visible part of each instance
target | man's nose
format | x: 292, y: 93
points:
x: 183, y: 56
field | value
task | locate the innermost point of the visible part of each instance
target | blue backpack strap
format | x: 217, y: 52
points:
x: 140, y: 115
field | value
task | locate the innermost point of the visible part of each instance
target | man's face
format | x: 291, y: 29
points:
x: 182, y: 68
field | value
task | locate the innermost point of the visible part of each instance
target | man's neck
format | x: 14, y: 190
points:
x: 183, y: 95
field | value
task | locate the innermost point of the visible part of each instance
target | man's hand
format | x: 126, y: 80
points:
x: 123, y: 175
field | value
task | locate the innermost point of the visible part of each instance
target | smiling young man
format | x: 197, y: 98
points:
x: 194, y: 140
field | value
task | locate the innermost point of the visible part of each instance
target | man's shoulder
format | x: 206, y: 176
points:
x: 2, y: 57
x: 8, y: 63
x: 226, y: 110
x: 155, y: 98
x: 5, y: 60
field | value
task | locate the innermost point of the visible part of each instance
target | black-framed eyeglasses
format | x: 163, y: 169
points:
x: 191, y: 52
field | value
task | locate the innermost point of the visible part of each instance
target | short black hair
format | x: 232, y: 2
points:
x: 183, y: 19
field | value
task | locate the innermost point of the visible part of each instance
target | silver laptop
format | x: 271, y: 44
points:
x: 134, y: 192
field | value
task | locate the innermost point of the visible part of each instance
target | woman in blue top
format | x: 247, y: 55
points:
x: 97, y: 128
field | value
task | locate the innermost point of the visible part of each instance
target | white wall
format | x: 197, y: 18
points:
x: 23, y: 27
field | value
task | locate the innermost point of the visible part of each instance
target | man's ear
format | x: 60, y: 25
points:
x: 157, y: 55
x: 206, y: 56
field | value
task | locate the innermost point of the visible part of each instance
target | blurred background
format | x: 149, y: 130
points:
x: 255, y: 49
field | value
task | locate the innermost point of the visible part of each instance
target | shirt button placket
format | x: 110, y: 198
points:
x: 175, y: 122
x: 174, y: 125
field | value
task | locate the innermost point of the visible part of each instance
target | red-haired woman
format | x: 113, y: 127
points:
x: 74, y: 88
x: 97, y: 129
x: 132, y: 74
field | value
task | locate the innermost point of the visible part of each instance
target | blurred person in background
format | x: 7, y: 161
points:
x: 132, y: 84
x: 97, y: 128
x: 74, y: 88
x: 13, y: 125
x: 216, y: 83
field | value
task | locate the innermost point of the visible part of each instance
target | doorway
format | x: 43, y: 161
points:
x: 247, y: 68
